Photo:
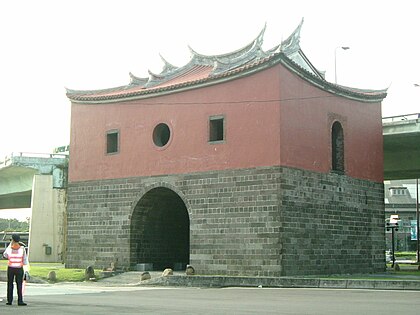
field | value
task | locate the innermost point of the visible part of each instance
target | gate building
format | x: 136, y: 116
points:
x: 244, y: 163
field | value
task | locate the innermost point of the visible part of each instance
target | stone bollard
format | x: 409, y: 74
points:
x: 189, y: 271
x: 52, y: 276
x: 167, y: 272
x: 145, y: 276
x: 90, y: 273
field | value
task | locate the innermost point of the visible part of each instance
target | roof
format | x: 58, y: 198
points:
x: 405, y: 190
x: 204, y: 70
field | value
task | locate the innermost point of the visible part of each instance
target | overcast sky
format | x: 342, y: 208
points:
x: 49, y: 45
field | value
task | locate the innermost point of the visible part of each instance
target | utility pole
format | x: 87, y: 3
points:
x: 417, y: 214
x: 335, y: 59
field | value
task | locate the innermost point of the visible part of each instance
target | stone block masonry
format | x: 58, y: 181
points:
x: 331, y: 224
x: 268, y: 221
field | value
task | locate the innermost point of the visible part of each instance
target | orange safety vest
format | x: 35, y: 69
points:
x: 15, y: 257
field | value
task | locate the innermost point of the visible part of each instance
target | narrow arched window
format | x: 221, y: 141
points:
x: 337, y: 142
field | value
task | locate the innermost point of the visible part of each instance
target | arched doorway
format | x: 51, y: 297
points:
x: 160, y: 230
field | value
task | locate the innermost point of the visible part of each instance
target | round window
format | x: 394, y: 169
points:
x: 161, y: 135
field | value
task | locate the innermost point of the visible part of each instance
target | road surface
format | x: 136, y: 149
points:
x: 96, y: 299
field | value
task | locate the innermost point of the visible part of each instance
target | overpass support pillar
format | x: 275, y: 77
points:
x: 47, y: 232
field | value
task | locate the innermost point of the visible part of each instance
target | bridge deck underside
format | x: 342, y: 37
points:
x: 16, y: 200
x: 402, y: 155
x: 16, y: 187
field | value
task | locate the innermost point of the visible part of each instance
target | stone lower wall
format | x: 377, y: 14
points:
x: 254, y: 222
x: 331, y: 224
x: 235, y: 227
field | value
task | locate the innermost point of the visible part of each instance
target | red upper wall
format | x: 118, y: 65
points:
x: 307, y: 116
x: 272, y: 117
x: 251, y: 115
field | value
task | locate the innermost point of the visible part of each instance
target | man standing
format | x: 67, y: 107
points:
x: 18, y: 258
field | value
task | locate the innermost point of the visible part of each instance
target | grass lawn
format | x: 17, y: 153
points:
x: 411, y: 255
x: 41, y: 271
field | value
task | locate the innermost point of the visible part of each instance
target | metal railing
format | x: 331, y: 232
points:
x: 6, y: 237
x: 7, y: 160
x: 401, y: 117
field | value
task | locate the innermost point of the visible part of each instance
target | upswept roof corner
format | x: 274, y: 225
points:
x: 365, y: 95
x: 202, y: 70
x: 137, y: 81
x: 167, y: 66
x: 292, y: 43
x: 226, y: 57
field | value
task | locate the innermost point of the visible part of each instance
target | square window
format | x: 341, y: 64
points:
x: 112, y: 142
x: 217, y: 129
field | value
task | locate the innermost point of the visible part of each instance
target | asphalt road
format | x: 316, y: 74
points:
x: 86, y: 299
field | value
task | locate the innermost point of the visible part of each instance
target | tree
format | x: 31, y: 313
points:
x: 14, y: 225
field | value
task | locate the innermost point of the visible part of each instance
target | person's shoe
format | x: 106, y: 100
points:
x: 22, y: 304
x: 8, y: 303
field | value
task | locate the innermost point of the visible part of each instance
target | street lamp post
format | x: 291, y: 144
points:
x: 417, y: 218
x: 393, y: 226
x: 417, y: 214
x: 335, y: 59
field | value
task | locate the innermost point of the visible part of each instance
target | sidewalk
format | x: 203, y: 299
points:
x: 407, y: 279
x: 284, y: 282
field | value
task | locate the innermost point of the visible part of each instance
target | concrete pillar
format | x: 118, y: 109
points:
x: 47, y: 228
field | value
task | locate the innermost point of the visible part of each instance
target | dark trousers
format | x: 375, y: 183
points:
x: 17, y: 275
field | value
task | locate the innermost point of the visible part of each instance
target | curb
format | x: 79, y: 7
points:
x: 282, y: 282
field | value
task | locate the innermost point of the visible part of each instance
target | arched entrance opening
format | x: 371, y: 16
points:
x: 160, y: 231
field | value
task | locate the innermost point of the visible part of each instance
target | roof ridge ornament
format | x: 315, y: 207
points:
x: 252, y: 48
x: 260, y: 38
x: 134, y: 80
x: 167, y: 67
x: 291, y: 44
x: 156, y: 79
x: 273, y: 50
x: 200, y: 59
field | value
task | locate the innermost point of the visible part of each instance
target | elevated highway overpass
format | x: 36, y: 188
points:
x: 401, y: 146
x: 17, y: 174
x: 38, y: 181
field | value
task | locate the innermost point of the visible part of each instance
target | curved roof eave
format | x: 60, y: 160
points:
x: 362, y: 95
x: 177, y: 88
x: 239, y: 52
x: 71, y: 92
x: 368, y: 96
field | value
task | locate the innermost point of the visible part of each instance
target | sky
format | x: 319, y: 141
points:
x: 47, y: 46
x: 18, y: 214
